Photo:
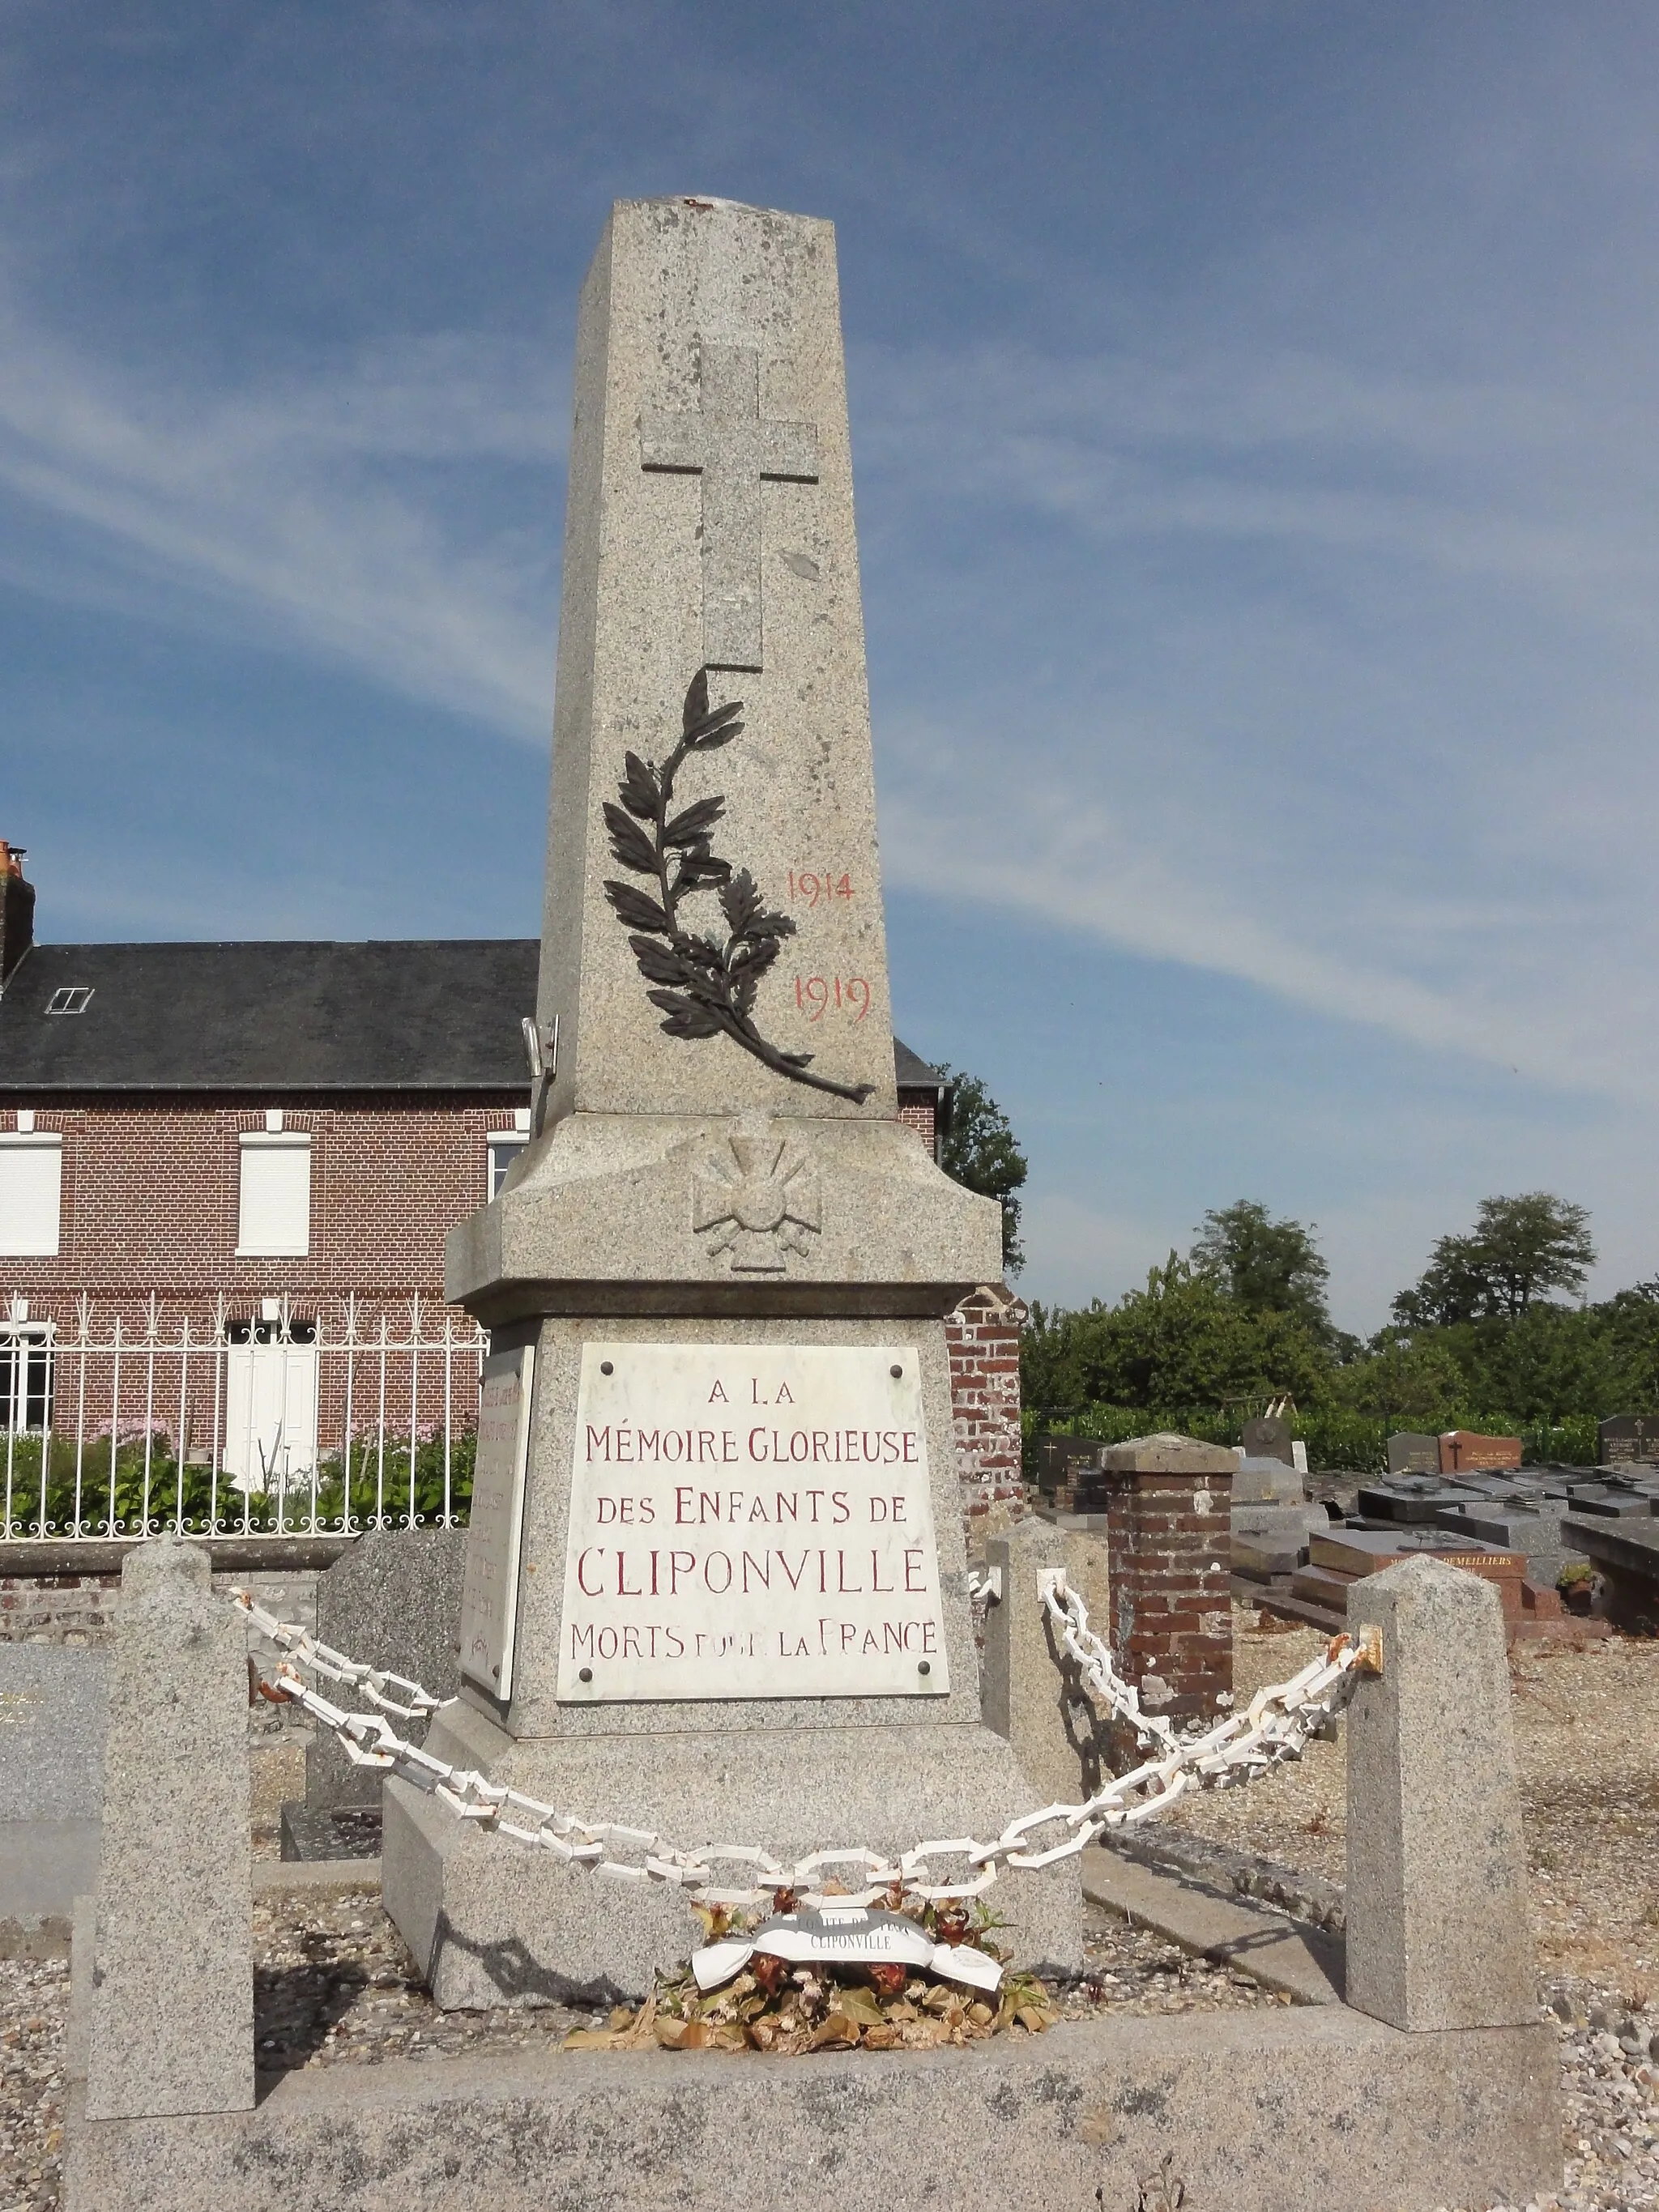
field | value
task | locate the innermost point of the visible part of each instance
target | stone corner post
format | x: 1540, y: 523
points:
x: 1168, y: 1535
x: 172, y: 1997
x: 1031, y: 1692
x: 1438, y: 1928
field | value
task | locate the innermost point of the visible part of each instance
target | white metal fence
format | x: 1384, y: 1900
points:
x: 281, y: 1424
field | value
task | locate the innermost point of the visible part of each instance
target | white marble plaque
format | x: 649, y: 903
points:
x: 490, y: 1588
x: 750, y: 1521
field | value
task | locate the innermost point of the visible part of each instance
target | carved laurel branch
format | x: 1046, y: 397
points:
x: 704, y: 988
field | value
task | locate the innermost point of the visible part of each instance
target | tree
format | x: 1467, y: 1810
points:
x: 1182, y: 1344
x: 1518, y: 1247
x: 979, y: 1150
x: 1420, y: 1382
x: 1267, y: 1266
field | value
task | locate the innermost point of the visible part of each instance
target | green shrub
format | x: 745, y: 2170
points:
x: 187, y: 1495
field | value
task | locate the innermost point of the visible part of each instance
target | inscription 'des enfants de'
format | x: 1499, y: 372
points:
x: 750, y: 1521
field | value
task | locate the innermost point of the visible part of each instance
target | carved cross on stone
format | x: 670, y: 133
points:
x: 726, y: 441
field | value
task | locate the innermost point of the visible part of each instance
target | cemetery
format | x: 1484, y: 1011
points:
x: 707, y: 1820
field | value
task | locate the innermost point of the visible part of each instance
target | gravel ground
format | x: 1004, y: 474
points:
x: 277, y: 1766
x: 334, y: 1985
x: 33, y: 2007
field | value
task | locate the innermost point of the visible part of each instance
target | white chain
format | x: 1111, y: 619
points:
x: 370, y: 1683
x: 1101, y: 1679
x: 1277, y: 1725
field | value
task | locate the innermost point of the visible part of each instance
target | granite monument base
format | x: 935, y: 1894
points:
x: 492, y: 1923
x: 1299, y: 2109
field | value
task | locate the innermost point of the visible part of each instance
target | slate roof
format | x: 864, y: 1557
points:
x: 438, y: 1014
x: 914, y: 1074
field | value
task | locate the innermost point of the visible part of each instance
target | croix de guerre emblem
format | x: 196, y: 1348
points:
x: 760, y: 1199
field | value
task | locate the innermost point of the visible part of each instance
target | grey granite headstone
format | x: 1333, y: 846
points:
x: 1438, y: 1935
x: 1273, y: 1540
x: 171, y: 2027
x: 52, y: 1709
x: 394, y: 1600
x: 717, y: 1170
x: 1263, y: 1479
x: 1411, y: 1453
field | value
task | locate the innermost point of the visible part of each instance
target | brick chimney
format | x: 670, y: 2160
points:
x: 16, y: 910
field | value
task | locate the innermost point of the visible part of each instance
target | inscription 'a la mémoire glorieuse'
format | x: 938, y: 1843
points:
x: 750, y: 1521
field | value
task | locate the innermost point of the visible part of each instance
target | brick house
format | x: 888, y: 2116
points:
x: 271, y: 1140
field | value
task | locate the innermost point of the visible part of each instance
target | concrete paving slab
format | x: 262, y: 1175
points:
x: 1303, y: 1963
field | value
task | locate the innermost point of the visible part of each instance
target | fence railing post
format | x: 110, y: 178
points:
x: 1437, y: 1931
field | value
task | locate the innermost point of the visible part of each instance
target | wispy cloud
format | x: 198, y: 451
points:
x: 1374, y: 752
x: 397, y: 511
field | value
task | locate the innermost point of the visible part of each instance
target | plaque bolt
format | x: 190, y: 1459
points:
x: 586, y: 1674
x: 923, y: 1668
x: 896, y: 1372
x: 605, y: 1368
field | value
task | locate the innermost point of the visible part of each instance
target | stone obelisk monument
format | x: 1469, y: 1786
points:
x: 716, y: 1577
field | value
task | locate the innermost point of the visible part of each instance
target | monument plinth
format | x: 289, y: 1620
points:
x: 716, y: 1583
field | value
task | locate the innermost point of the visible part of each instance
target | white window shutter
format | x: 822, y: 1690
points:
x: 274, y: 1217
x: 31, y: 1195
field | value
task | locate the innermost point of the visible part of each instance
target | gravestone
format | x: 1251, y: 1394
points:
x: 1411, y: 1497
x: 1627, y: 1437
x: 1627, y: 1557
x: 1274, y: 1539
x: 715, y: 1583
x: 1464, y: 1451
x: 1612, y: 1504
x: 1067, y: 1468
x: 1536, y: 1534
x: 1268, y: 1437
x: 1265, y: 1479
x: 54, y: 1706
x: 1410, y: 1453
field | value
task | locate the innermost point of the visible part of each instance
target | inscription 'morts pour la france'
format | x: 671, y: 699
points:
x: 750, y: 1521
x: 734, y: 448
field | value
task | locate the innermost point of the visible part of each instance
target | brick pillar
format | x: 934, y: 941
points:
x: 982, y: 1338
x: 1169, y: 1544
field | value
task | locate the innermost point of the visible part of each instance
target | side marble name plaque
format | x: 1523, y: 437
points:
x: 489, y: 1587
x: 750, y: 1521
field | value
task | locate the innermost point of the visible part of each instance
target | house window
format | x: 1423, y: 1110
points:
x: 274, y: 1213
x: 505, y: 1146
x: 31, y: 1193
x: 70, y: 998
x: 25, y: 1351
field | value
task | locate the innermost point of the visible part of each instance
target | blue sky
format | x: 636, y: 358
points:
x: 1254, y: 414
